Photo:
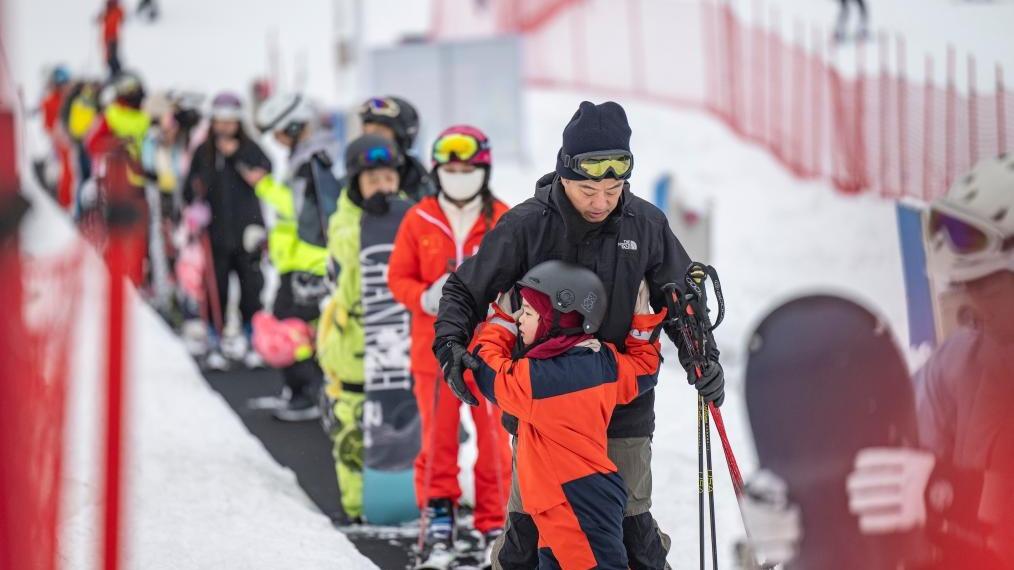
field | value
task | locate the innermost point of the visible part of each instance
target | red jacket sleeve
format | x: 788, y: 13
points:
x: 501, y: 380
x: 638, y: 368
x: 404, y: 275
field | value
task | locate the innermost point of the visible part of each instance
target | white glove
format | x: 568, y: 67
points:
x: 886, y: 488
x: 772, y: 521
x: 254, y: 237
x: 430, y: 298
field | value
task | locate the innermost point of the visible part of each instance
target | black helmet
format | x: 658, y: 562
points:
x: 570, y: 287
x: 395, y: 113
x: 370, y: 151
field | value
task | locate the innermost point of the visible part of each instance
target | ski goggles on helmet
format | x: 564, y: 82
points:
x: 599, y: 164
x: 380, y: 106
x: 457, y: 146
x: 962, y: 247
x: 378, y: 157
x: 965, y: 234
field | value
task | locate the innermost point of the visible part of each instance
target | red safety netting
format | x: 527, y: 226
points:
x: 865, y: 123
x: 39, y: 299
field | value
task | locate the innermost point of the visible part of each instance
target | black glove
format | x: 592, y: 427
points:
x: 454, y: 359
x: 711, y: 384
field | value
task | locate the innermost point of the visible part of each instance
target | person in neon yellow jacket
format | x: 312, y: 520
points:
x: 372, y: 180
x: 296, y: 240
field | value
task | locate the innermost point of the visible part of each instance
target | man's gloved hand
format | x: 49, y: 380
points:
x: 711, y: 384
x: 454, y: 359
x: 887, y: 486
x: 773, y: 522
x: 430, y: 299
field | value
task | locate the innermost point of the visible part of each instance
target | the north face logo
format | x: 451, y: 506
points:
x: 628, y: 244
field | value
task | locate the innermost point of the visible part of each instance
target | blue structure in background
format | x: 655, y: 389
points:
x: 918, y: 294
x: 662, y: 188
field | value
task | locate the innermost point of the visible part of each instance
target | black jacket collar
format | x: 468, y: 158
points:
x: 549, y: 191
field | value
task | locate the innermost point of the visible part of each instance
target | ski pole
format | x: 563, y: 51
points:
x: 700, y: 476
x: 428, y: 470
x: 711, y: 484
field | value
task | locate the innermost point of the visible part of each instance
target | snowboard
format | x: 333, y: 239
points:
x: 824, y: 380
x: 391, y: 425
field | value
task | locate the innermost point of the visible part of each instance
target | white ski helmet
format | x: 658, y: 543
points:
x: 970, y: 230
x: 285, y: 112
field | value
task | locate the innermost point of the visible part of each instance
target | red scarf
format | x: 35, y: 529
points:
x: 557, y: 345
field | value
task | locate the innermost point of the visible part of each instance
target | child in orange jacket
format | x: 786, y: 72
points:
x: 562, y: 385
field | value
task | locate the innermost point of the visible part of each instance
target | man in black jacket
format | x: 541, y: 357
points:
x: 583, y: 212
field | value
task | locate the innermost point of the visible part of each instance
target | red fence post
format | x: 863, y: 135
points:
x: 883, y: 96
x: 1001, y: 111
x: 927, y: 154
x: 860, y: 147
x: 902, y: 118
x: 820, y: 80
x: 795, y: 161
x: 777, y: 116
x: 973, y: 113
x: 950, y: 119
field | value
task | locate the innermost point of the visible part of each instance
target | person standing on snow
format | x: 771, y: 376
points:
x: 58, y: 90
x: 960, y: 486
x: 396, y: 120
x: 111, y: 20
x: 437, y: 235
x: 544, y: 359
x: 216, y: 191
x: 165, y: 158
x: 957, y: 486
x: 584, y: 212
x: 371, y: 168
x: 301, y: 264
x: 862, y: 30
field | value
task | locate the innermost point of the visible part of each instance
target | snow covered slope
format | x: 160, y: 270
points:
x: 201, y: 491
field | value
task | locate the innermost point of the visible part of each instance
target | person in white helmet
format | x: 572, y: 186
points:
x: 301, y: 204
x: 960, y: 486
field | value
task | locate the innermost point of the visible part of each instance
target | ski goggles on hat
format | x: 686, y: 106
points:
x: 965, y: 234
x: 380, y: 106
x: 459, y: 146
x: 599, y: 164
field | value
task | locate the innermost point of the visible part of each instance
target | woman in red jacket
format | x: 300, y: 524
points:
x: 436, y: 235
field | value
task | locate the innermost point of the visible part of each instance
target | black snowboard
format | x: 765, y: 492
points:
x: 391, y: 425
x: 824, y: 380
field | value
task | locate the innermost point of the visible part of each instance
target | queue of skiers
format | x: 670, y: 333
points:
x: 218, y: 211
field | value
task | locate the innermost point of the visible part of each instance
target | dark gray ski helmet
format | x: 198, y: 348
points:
x: 570, y: 287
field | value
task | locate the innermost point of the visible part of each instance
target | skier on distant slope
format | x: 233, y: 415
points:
x: 584, y: 212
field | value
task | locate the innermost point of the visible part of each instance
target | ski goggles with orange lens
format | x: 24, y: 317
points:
x: 380, y: 106
x: 600, y: 164
x: 965, y: 235
x: 457, y: 146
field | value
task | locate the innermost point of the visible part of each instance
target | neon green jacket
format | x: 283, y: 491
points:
x: 341, y: 342
x: 288, y: 253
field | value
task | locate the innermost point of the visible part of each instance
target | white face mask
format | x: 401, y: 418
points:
x: 461, y: 186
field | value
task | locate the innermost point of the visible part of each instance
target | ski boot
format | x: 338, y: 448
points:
x: 439, y: 550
